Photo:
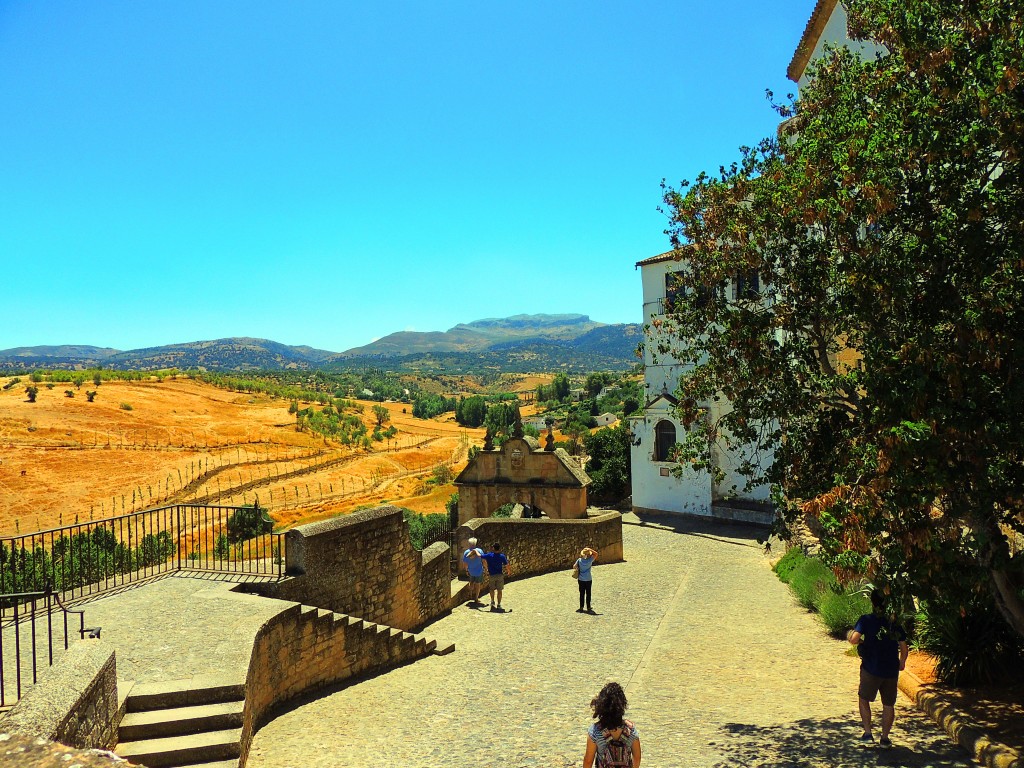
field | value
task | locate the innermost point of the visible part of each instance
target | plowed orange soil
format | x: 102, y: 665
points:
x: 64, y: 459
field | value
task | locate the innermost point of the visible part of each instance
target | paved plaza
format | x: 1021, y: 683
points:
x: 721, y: 667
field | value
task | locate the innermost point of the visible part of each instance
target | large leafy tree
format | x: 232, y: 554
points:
x: 877, y: 368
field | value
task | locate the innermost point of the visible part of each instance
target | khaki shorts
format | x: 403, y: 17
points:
x: 497, y: 581
x: 476, y: 579
x: 871, y: 685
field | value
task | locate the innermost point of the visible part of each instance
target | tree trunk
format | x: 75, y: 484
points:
x: 1006, y: 592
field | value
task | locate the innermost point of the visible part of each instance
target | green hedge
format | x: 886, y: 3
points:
x: 810, y: 580
x: 817, y: 589
x: 793, y: 558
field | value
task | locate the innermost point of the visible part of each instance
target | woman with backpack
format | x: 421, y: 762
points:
x: 612, y: 740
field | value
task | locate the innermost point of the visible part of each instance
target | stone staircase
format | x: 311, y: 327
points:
x: 196, y: 722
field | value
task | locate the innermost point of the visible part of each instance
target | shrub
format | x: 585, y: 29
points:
x: 810, y: 581
x: 442, y: 475
x: 840, y: 610
x: 222, y: 548
x: 793, y: 559
x: 90, y: 395
x: 974, y: 647
x: 424, y: 530
x: 505, y: 510
x: 126, y: 406
x: 248, y: 523
x: 31, y: 391
x: 69, y: 393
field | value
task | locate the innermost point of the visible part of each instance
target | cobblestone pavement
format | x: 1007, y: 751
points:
x: 178, y: 626
x: 721, y: 667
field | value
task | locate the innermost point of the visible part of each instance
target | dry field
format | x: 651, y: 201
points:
x: 64, y: 459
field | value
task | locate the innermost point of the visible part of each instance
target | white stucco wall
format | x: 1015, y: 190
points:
x: 692, y: 492
x: 654, y: 486
x: 835, y: 33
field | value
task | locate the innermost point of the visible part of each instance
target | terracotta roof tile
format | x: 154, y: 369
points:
x: 812, y: 32
x: 674, y: 255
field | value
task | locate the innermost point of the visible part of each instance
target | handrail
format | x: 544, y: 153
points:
x: 15, y: 622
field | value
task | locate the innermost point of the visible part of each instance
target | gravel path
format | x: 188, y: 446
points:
x: 721, y: 666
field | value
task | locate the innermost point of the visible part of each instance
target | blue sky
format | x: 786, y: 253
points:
x: 325, y: 173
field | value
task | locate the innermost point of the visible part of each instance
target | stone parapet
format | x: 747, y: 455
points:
x: 75, y: 701
x: 303, y: 649
x: 537, y: 546
x: 364, y: 565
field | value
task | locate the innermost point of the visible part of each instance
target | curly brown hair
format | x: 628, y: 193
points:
x: 609, y: 706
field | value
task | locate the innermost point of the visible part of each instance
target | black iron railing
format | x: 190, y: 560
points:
x: 24, y: 646
x: 435, y: 528
x: 90, y: 558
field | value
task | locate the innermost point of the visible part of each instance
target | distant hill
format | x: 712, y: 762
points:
x: 516, y: 344
x: 44, y: 356
x: 233, y: 354
x: 478, y: 335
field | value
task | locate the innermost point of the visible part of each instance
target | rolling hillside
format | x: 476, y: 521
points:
x: 515, y: 344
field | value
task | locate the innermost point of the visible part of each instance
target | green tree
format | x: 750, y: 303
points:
x: 609, y: 467
x: 31, y: 391
x: 381, y: 414
x: 560, y: 388
x: 247, y: 523
x: 884, y: 220
x: 90, y: 395
x: 471, y: 411
x: 97, y: 379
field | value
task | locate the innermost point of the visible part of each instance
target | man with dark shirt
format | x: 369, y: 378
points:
x: 497, y: 567
x: 883, y: 655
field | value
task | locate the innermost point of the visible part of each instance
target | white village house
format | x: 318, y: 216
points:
x: 656, y: 487
x: 656, y: 429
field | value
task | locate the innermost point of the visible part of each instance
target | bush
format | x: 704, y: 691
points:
x: 248, y: 523
x: 505, y: 510
x: 126, y: 406
x: 810, y: 581
x: 973, y: 648
x: 789, y: 562
x: 222, y: 548
x: 840, y: 610
x: 424, y: 530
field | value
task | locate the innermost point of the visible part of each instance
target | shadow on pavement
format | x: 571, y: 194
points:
x: 738, y: 534
x: 833, y: 742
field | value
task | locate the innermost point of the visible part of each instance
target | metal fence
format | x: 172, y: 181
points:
x: 27, y: 638
x: 432, y: 529
x: 90, y: 558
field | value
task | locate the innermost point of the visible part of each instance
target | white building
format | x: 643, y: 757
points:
x: 660, y: 484
x: 827, y: 26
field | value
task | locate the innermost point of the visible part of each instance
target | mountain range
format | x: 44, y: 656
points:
x: 517, y: 343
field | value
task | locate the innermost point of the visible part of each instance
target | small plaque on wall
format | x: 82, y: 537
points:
x: 664, y: 472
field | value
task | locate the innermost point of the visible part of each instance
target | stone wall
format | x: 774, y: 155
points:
x: 74, y: 702
x: 540, y: 546
x: 364, y: 565
x: 304, y: 649
x: 21, y: 751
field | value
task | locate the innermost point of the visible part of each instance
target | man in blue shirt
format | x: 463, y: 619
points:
x: 473, y: 558
x: 883, y: 655
x: 497, y: 567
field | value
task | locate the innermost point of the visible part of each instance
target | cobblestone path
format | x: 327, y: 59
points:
x: 721, y: 667
x: 176, y: 627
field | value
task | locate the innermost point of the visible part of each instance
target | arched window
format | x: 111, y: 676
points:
x: 664, y: 439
